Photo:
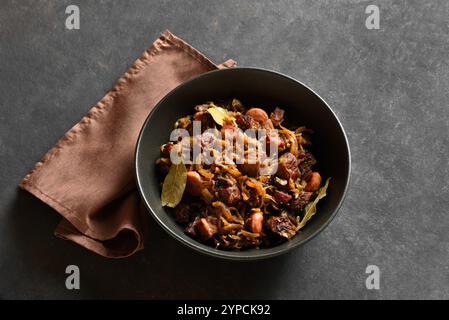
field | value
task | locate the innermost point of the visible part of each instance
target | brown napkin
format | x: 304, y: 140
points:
x: 88, y: 176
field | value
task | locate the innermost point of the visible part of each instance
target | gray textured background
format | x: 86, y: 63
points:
x: 389, y: 87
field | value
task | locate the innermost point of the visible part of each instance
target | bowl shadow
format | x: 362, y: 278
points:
x: 165, y: 269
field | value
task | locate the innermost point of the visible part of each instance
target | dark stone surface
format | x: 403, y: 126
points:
x: 389, y: 87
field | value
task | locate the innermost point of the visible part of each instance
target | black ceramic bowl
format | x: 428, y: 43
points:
x: 254, y: 87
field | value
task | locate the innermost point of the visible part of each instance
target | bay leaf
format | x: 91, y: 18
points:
x: 174, y: 185
x: 310, y: 209
x: 218, y: 114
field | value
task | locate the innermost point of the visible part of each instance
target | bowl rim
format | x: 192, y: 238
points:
x: 237, y: 255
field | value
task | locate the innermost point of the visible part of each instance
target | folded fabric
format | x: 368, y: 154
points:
x: 88, y: 176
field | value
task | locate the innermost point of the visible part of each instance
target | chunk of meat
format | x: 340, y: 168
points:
x: 299, y: 203
x: 277, y: 116
x: 230, y: 195
x: 205, y: 229
x: 288, y: 166
x: 194, y: 183
x: 246, y: 122
x: 281, y: 197
x: 282, y: 225
x: 255, y: 222
x: 191, y: 228
x: 313, y: 182
x: 306, y: 161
